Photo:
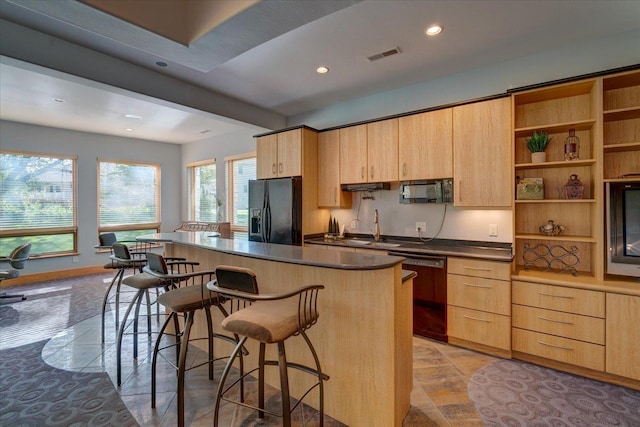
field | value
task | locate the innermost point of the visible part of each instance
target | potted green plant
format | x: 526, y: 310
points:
x: 537, y: 143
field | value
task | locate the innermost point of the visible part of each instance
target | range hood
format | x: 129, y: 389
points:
x: 366, y: 186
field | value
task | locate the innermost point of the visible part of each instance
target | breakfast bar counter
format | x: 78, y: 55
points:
x: 363, y: 336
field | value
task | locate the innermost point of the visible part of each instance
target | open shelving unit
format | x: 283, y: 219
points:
x: 555, y: 110
x: 621, y: 126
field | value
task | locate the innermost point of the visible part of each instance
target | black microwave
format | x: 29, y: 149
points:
x: 623, y: 228
x: 428, y: 191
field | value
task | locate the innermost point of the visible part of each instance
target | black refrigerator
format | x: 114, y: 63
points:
x: 275, y: 211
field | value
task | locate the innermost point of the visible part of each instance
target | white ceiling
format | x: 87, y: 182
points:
x: 266, y: 56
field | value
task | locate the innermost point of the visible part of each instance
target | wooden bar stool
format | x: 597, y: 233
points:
x: 268, y: 319
x: 184, y: 301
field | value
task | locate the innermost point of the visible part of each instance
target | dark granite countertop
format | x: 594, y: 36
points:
x: 311, y: 256
x: 407, y: 246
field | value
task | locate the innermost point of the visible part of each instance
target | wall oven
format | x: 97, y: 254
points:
x: 429, y: 294
x: 623, y: 228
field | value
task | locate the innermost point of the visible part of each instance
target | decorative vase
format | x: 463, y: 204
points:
x: 539, y: 157
x: 574, y: 188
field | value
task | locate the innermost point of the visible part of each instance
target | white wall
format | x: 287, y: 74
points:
x: 468, y: 224
x: 88, y: 148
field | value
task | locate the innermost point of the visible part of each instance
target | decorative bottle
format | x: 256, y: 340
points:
x: 574, y: 188
x: 571, y: 146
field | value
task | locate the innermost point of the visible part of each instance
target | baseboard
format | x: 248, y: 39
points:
x: 578, y: 370
x: 25, y: 279
x: 482, y: 348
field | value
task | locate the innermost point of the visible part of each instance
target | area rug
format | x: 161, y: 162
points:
x: 513, y: 393
x: 33, y: 393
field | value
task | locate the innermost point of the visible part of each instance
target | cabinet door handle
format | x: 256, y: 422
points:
x: 477, y: 268
x: 555, y: 321
x: 335, y: 194
x: 475, y: 318
x: 280, y: 167
x: 273, y: 168
x: 477, y: 286
x: 556, y: 296
x: 459, y: 191
x: 555, y: 346
x: 371, y: 171
x: 362, y: 172
x: 404, y: 169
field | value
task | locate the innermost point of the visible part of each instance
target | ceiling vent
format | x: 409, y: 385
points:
x: 383, y: 54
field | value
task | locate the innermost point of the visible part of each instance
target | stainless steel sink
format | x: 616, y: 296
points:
x: 384, y: 245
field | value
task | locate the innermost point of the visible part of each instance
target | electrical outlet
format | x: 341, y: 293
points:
x: 421, y: 226
x: 74, y: 259
x: 493, y: 230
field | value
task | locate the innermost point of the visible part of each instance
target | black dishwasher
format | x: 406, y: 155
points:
x: 429, y: 294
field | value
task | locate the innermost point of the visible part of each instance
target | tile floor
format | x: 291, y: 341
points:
x: 439, y: 397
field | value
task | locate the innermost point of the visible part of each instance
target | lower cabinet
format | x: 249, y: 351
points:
x: 559, y: 323
x: 623, y: 335
x: 478, y: 304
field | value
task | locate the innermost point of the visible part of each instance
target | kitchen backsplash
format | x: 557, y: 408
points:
x: 400, y: 219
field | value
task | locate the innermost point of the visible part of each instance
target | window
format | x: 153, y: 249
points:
x: 38, y: 203
x: 203, y: 196
x: 129, y: 198
x: 239, y: 170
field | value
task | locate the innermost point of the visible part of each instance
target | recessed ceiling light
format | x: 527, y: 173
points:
x: 58, y: 100
x: 129, y: 130
x: 161, y: 64
x: 433, y: 30
x: 133, y: 116
x: 322, y: 70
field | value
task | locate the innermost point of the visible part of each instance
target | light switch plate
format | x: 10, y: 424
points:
x: 493, y: 230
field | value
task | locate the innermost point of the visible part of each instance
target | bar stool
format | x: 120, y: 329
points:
x: 184, y: 301
x: 269, y: 319
x: 142, y: 283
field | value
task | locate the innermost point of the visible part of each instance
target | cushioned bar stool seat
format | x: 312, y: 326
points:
x: 268, y: 319
x: 184, y: 301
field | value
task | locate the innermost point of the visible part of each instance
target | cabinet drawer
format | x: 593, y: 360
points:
x: 561, y: 349
x: 493, y: 330
x: 571, y: 300
x: 479, y: 294
x: 479, y: 268
x: 566, y: 325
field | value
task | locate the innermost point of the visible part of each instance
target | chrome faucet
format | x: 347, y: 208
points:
x: 376, y: 226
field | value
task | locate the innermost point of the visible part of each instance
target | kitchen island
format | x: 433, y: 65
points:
x: 363, y: 336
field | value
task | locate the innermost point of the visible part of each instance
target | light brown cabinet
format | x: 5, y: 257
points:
x: 369, y: 152
x: 482, y: 154
x: 353, y: 154
x: 555, y: 110
x: 621, y: 126
x: 329, y: 192
x: 559, y: 323
x: 623, y: 335
x: 479, y: 304
x: 382, y: 150
x: 425, y: 145
x: 279, y: 155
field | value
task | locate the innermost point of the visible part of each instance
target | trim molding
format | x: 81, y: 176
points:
x: 25, y: 279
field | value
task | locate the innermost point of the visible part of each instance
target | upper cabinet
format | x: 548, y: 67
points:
x: 329, y: 193
x: 353, y: 154
x: 482, y: 154
x: 382, y: 150
x: 425, y: 148
x: 369, y: 152
x: 621, y: 126
x: 279, y: 155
